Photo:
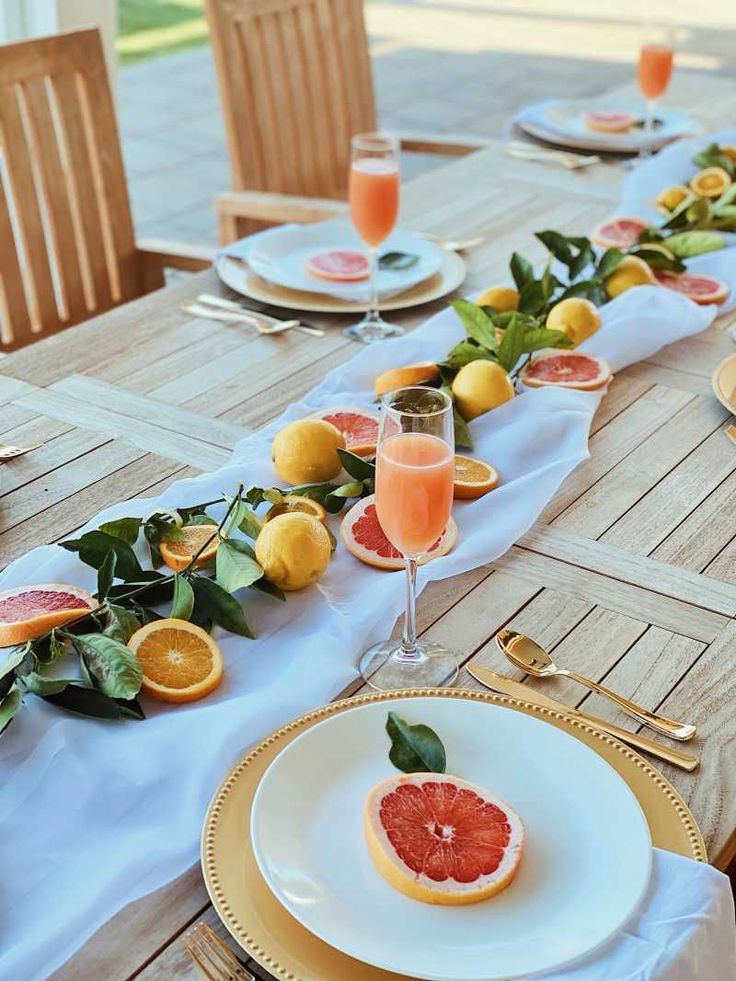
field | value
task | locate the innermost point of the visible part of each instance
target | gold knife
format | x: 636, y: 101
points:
x: 515, y: 689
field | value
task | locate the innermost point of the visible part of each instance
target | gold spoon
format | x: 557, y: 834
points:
x: 526, y: 654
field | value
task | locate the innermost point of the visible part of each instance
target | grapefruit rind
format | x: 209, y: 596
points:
x: 389, y: 563
x: 447, y: 891
x: 533, y: 378
x: 35, y: 624
x: 326, y: 265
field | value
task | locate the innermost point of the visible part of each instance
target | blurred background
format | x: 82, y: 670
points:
x: 461, y: 66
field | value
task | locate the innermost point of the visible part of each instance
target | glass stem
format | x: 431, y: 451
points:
x: 648, y: 128
x: 373, y: 313
x: 409, y: 640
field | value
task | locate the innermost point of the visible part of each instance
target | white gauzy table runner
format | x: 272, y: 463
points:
x: 95, y: 815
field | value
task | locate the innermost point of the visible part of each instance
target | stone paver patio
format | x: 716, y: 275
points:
x: 439, y: 65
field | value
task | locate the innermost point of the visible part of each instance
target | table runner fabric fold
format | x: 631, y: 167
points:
x: 103, y: 814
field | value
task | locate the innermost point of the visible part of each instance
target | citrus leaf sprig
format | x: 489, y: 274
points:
x: 332, y: 497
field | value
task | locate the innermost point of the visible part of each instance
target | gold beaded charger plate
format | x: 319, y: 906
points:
x: 724, y: 383
x: 236, y: 274
x: 261, y: 925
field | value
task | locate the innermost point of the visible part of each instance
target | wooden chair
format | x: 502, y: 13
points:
x: 295, y: 82
x: 67, y: 247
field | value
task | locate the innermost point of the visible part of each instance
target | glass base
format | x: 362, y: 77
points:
x: 732, y: 332
x: 386, y: 668
x: 373, y: 328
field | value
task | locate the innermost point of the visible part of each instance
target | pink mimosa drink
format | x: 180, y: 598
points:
x: 654, y: 70
x: 374, y: 198
x: 414, y: 484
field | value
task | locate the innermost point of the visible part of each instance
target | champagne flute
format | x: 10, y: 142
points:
x: 374, y: 206
x: 415, y: 466
x: 654, y: 71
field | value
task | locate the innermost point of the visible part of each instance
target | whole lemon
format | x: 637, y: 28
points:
x: 501, y: 298
x: 293, y: 550
x: 305, y: 451
x: 481, y: 386
x: 671, y: 197
x: 576, y: 317
x: 631, y: 271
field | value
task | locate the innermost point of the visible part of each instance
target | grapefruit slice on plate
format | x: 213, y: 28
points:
x: 700, y: 289
x: 27, y: 612
x: 568, y: 369
x: 442, y: 840
x: 618, y: 233
x: 339, y: 265
x: 609, y: 122
x: 363, y: 536
x: 359, y: 428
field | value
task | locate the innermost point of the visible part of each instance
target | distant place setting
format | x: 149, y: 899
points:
x: 367, y: 566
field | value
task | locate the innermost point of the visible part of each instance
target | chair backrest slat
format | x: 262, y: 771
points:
x: 64, y: 199
x: 295, y: 81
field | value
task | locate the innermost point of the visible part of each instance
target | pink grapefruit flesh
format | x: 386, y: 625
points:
x: 359, y: 428
x: 570, y: 369
x: 340, y: 265
x: 700, y: 289
x: 363, y: 536
x: 442, y: 840
x: 27, y: 612
x: 609, y: 122
x: 618, y: 233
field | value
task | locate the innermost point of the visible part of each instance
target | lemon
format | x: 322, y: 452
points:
x: 293, y: 550
x: 305, y: 451
x: 710, y: 183
x: 481, y: 386
x: 631, y: 271
x: 501, y: 298
x: 730, y: 152
x: 576, y: 317
x: 671, y: 197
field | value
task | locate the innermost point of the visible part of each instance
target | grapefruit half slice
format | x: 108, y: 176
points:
x: 700, y: 289
x: 609, y: 122
x: 359, y: 428
x: 571, y: 369
x: 442, y: 840
x: 618, y: 233
x: 27, y: 612
x: 363, y: 536
x: 339, y: 265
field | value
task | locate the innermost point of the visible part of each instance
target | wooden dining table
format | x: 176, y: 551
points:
x: 629, y: 574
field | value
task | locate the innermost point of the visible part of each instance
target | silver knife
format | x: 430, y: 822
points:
x: 515, y: 689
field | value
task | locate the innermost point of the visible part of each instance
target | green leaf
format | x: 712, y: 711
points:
x: 533, y: 300
x: 650, y: 234
x: 414, y: 748
x: 94, y: 704
x: 511, y: 347
x: 343, y: 493
x: 356, y: 466
x: 476, y: 322
x: 656, y: 259
x: 9, y: 706
x: 608, y: 262
x: 37, y: 684
x: 182, y: 603
x: 126, y: 529
x: 591, y: 289
x: 463, y: 438
x: 235, y: 567
x: 215, y: 603
x: 159, y: 588
x: 541, y: 337
x: 123, y: 624
x: 688, y: 244
x: 94, y: 546
x: 522, y: 270
x: 113, y: 666
x: 264, y: 586
x: 713, y: 156
x: 7, y: 671
x: 557, y: 244
x: 106, y: 575
x: 465, y: 352
x: 247, y: 520
x: 397, y: 260
x: 585, y: 256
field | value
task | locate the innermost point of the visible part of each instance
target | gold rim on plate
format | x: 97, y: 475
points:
x: 240, y: 278
x: 272, y: 937
x: 724, y: 383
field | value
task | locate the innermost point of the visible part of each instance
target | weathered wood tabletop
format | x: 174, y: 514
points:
x: 630, y: 574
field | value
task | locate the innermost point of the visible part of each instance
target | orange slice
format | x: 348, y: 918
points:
x: 473, y: 478
x: 295, y: 502
x: 177, y: 554
x: 406, y: 375
x: 180, y: 661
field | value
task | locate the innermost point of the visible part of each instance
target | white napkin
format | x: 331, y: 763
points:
x: 102, y: 814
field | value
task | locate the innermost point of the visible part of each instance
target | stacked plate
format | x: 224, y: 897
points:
x: 563, y: 122
x: 288, y: 870
x: 274, y: 268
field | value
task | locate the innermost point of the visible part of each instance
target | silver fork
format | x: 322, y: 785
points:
x: 213, y: 957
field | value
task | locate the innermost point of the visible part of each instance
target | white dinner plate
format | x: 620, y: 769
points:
x: 280, y: 256
x: 585, y: 868
x: 562, y: 122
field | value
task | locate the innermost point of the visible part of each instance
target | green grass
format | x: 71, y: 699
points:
x: 149, y: 28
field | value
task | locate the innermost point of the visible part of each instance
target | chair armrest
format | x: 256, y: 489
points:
x: 175, y: 255
x: 234, y: 207
x: 452, y: 145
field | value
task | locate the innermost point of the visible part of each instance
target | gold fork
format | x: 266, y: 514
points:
x: 8, y: 452
x: 213, y: 957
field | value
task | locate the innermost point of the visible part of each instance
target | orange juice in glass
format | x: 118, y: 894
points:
x: 415, y: 467
x: 654, y: 71
x: 374, y: 206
